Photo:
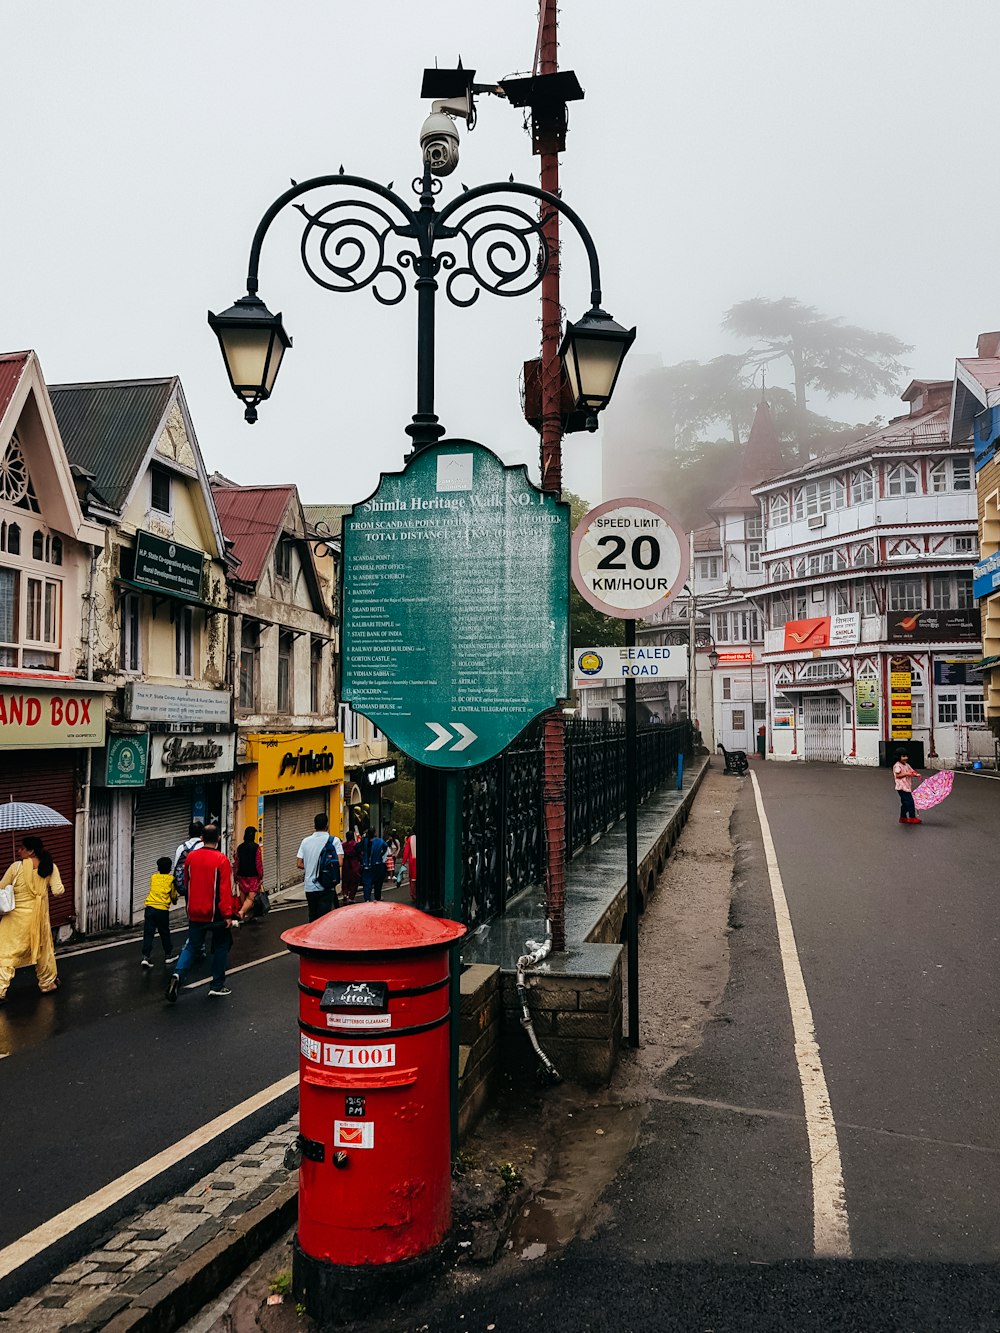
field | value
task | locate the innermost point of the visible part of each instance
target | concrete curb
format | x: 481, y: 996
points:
x: 176, y: 1298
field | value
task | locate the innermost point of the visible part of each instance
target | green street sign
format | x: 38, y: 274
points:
x: 127, y: 760
x: 456, y: 604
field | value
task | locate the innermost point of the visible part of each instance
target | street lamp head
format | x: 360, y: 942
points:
x: 593, y: 350
x: 713, y: 659
x: 253, y: 341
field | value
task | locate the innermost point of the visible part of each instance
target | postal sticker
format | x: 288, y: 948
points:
x: 354, y: 1133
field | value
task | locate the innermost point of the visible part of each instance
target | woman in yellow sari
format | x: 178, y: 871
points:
x: 25, y: 933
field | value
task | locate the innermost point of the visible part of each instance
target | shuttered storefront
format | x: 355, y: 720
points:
x: 287, y: 820
x: 162, y: 816
x: 49, y: 779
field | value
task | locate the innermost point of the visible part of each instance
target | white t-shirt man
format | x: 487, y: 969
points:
x: 309, y: 853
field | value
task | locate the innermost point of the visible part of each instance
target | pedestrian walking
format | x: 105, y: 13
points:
x: 409, y: 864
x: 156, y: 916
x: 903, y: 775
x: 196, y: 831
x: 249, y: 866
x: 373, y: 869
x: 25, y: 932
x: 211, y: 908
x: 350, y: 880
x: 320, y: 897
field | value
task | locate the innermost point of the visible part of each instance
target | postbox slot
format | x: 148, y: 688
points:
x: 359, y: 1080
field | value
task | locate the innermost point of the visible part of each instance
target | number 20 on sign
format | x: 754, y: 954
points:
x: 630, y: 558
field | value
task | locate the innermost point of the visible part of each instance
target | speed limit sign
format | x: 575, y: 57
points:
x: 630, y: 558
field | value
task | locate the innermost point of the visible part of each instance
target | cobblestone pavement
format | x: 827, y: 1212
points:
x: 129, y: 1263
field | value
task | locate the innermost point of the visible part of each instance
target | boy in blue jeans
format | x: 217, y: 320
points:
x: 162, y: 895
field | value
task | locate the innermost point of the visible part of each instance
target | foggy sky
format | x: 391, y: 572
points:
x: 841, y: 154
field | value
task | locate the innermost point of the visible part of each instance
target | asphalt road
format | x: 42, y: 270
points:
x: 709, y: 1225
x: 103, y: 1075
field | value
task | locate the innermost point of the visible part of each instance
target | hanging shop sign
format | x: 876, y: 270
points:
x: 986, y: 576
x: 900, y: 699
x: 50, y: 719
x: 866, y: 697
x: 650, y: 662
x: 630, y: 558
x: 296, y: 761
x: 933, y: 626
x: 127, y: 759
x: 741, y: 657
x: 168, y: 567
x: 192, y: 755
x: 172, y: 703
x: 456, y: 605
x: 822, y: 632
x: 381, y: 776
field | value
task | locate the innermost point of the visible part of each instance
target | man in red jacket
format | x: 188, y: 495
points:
x: 211, y: 908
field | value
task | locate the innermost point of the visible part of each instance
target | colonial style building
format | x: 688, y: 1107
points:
x: 975, y: 420
x: 158, y: 634
x: 52, y: 711
x: 868, y: 617
x: 290, y: 755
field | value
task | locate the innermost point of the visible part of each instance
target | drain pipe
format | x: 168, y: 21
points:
x: 536, y: 952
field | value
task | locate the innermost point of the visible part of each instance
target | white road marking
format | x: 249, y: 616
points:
x: 831, y: 1232
x: 34, y: 1242
x: 179, y: 926
x: 206, y: 981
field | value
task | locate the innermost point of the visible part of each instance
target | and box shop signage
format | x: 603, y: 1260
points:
x: 297, y: 761
x: 44, y: 719
x: 192, y: 755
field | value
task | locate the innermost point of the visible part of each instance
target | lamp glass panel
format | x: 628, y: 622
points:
x: 597, y: 365
x: 246, y: 353
x: 274, y: 361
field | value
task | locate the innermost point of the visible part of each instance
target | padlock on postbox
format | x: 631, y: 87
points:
x: 374, y: 1095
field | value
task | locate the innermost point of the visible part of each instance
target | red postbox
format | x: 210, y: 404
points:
x: 374, y: 1095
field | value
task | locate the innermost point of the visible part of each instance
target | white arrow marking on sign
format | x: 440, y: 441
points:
x: 442, y: 736
x: 467, y: 737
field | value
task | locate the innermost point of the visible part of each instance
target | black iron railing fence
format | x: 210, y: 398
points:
x: 504, y: 848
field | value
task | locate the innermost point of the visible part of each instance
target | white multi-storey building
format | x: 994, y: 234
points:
x: 868, y: 614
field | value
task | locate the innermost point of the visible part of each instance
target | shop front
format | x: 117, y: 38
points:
x: 45, y: 735
x: 288, y: 779
x: 367, y: 803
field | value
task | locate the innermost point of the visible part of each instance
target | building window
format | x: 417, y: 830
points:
x: 755, y: 525
x: 184, y: 642
x: 56, y: 551
x: 781, y: 612
x: 129, y: 611
x: 739, y: 722
x: 964, y: 545
x: 951, y: 474
x: 43, y: 624
x: 974, y: 710
x: 964, y: 600
x: 801, y: 606
x: 864, y: 555
x: 283, y: 558
x: 903, y: 479
x: 316, y: 676
x: 37, y: 546
x: 727, y: 687
x: 842, y: 601
x: 159, y: 489
x: 349, y: 724
x: 720, y: 627
x: 779, y: 509
x: 780, y: 572
x: 905, y: 595
x: 9, y: 597
x: 862, y: 487
x: 753, y: 557
x: 708, y: 567
x: 941, y: 592
x: 820, y: 497
x: 865, y: 601
x: 760, y: 711
x: 249, y: 655
x: 947, y: 708
x: 285, y: 649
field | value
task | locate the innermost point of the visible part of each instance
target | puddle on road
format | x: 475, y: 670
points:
x: 592, y: 1146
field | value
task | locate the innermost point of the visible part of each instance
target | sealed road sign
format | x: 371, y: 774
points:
x: 630, y: 558
x: 653, y: 661
x: 456, y: 604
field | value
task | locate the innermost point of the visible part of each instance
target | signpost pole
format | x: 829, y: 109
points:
x: 632, y: 848
x: 452, y: 886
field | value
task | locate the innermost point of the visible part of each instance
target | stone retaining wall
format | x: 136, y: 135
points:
x: 479, y: 1043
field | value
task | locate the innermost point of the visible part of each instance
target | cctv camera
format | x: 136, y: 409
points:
x: 439, y: 141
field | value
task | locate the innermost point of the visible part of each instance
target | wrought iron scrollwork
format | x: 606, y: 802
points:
x: 345, y: 251
x: 506, y: 252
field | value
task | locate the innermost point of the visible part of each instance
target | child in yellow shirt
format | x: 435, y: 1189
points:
x: 162, y: 895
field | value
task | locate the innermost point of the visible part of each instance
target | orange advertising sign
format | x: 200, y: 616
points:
x: 806, y: 634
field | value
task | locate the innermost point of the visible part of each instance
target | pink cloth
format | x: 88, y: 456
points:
x: 903, y: 773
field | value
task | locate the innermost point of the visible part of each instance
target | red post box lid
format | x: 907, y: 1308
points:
x: 373, y: 928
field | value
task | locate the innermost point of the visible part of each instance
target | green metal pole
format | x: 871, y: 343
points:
x: 452, y: 885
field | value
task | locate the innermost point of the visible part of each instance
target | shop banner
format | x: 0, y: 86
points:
x: 822, y: 632
x: 50, y: 719
x: 192, y: 754
x: 866, y: 694
x: 167, y: 566
x: 296, y: 761
x: 933, y: 626
x: 174, y: 703
x: 127, y: 758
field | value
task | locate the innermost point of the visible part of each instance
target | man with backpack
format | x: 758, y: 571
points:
x: 321, y: 856
x: 196, y: 830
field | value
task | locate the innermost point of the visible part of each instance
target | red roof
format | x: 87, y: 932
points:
x: 11, y: 369
x: 251, y: 518
x: 985, y: 370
